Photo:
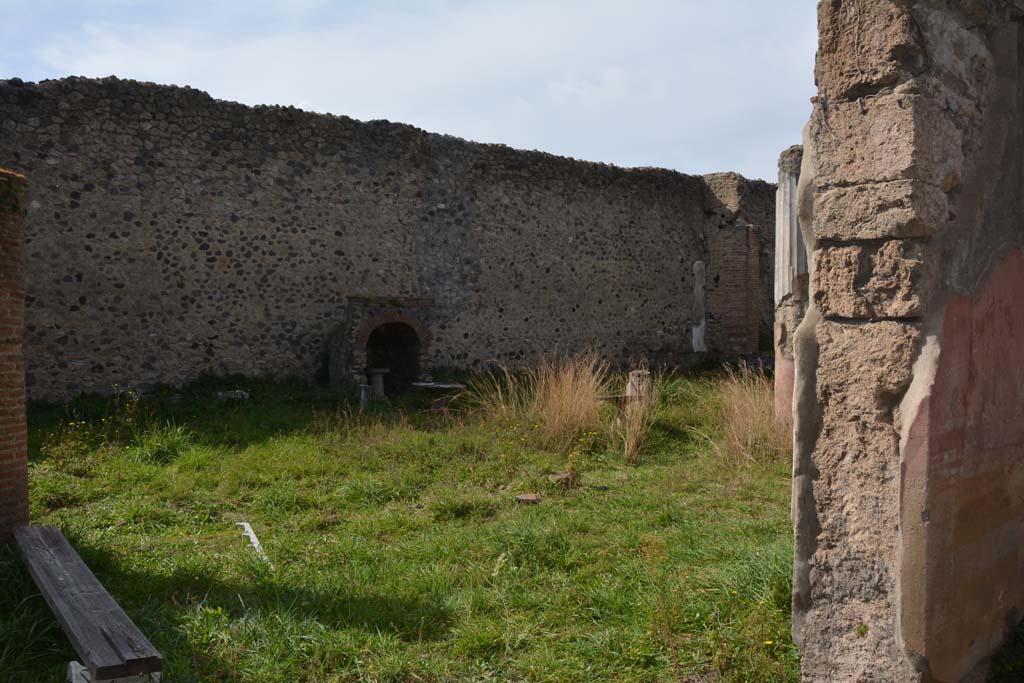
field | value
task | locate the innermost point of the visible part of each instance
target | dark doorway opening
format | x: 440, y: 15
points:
x: 396, y: 347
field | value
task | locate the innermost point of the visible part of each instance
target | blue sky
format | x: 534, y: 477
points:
x: 697, y: 86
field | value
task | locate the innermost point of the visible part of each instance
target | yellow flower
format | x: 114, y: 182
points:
x: 768, y: 642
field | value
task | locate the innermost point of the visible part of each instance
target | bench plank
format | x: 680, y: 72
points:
x: 106, y: 640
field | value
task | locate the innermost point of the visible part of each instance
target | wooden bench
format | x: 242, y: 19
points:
x: 110, y: 646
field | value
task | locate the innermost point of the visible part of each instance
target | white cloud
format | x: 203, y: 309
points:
x: 697, y: 86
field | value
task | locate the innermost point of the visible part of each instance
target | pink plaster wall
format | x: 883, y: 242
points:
x: 963, y: 483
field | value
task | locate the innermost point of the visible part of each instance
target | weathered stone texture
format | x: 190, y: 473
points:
x: 872, y: 280
x: 848, y: 631
x: 170, y: 234
x: 909, y: 428
x: 897, y: 136
x: 866, y: 45
x: 896, y: 209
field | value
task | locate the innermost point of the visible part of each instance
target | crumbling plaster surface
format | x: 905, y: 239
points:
x: 169, y: 234
x: 790, y: 286
x: 909, y: 420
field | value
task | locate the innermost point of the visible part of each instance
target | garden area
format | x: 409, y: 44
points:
x: 531, y: 530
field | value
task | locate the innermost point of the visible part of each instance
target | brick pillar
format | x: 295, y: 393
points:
x: 13, y: 448
x: 733, y: 301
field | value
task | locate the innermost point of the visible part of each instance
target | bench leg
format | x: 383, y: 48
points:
x: 79, y: 674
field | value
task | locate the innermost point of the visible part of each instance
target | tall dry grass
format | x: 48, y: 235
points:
x: 500, y: 394
x: 634, y: 423
x: 568, y: 395
x: 559, y: 401
x: 561, y: 396
x: 747, y: 415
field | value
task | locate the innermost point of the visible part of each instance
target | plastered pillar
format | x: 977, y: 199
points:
x: 790, y: 280
x: 908, y: 489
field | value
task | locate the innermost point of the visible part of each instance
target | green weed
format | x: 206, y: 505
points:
x: 398, y: 551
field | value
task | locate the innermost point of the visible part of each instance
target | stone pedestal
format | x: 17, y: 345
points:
x: 639, y: 385
x: 377, y: 382
x: 700, y: 320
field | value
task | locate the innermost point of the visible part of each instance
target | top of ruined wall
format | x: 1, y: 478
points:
x: 790, y: 160
x: 748, y: 199
x: 170, y: 101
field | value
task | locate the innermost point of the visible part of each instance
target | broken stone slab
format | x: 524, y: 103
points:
x: 528, y: 499
x: 79, y: 674
x: 439, y: 386
x: 233, y: 395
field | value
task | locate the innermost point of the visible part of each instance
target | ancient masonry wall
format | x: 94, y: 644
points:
x: 747, y: 201
x: 909, y: 422
x: 13, y: 446
x: 170, y: 234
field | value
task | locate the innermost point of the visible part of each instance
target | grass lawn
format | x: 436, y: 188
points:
x: 397, y: 550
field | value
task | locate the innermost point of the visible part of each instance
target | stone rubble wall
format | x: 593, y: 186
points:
x: 908, y: 490
x: 171, y: 234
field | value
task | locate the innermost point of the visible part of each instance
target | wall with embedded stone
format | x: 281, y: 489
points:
x: 908, y: 489
x: 171, y: 234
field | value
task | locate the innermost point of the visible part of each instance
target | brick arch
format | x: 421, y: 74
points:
x: 386, y: 317
x: 362, y: 337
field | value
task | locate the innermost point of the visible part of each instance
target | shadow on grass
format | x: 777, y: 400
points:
x: 31, y: 641
x: 1007, y: 664
x: 274, y: 409
x: 410, y: 618
x: 32, y: 645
